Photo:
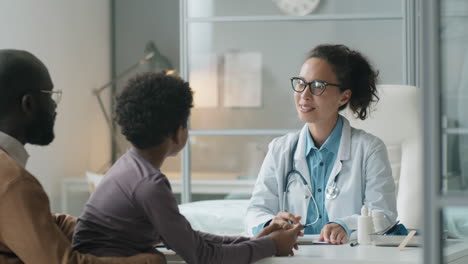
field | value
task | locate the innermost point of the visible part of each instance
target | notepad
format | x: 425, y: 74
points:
x: 382, y: 240
x: 310, y: 240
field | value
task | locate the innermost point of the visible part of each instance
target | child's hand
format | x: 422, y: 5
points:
x: 285, y: 240
x: 267, y: 230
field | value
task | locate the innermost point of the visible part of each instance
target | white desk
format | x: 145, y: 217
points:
x: 338, y: 254
x: 456, y: 253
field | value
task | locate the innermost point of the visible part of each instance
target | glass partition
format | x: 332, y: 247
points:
x: 240, y: 71
x: 454, y: 93
x: 239, y: 56
x: 454, y: 233
x: 444, y: 68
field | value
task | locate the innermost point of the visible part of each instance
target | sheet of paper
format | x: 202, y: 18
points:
x: 204, y: 80
x: 242, y: 79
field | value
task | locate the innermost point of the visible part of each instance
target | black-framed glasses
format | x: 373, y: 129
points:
x: 55, y: 94
x: 317, y: 87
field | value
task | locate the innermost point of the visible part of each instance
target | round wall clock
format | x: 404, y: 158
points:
x: 296, y: 7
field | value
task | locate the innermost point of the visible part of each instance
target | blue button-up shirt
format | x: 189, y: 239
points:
x: 320, y: 162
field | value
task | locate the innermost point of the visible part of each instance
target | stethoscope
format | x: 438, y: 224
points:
x: 331, y: 192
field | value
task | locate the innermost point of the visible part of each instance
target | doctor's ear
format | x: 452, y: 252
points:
x: 345, y: 96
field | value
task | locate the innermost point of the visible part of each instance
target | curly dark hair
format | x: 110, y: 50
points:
x: 152, y: 106
x: 354, y: 72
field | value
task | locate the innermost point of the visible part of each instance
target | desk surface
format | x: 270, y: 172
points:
x: 456, y: 252
x: 362, y: 254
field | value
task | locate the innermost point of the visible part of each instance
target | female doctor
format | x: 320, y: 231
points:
x: 322, y: 175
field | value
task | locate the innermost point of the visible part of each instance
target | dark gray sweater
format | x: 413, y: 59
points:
x: 133, y: 208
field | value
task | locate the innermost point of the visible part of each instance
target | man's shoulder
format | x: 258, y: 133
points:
x: 12, y: 173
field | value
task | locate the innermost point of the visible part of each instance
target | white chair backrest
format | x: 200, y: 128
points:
x: 396, y: 119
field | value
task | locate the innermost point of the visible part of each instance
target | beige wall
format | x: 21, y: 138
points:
x: 73, y: 39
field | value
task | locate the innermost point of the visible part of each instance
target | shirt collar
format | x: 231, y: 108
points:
x: 132, y: 150
x: 331, y: 144
x: 14, y: 148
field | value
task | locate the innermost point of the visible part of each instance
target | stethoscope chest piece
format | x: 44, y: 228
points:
x: 332, y: 191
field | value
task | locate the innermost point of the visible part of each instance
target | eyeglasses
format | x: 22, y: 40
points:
x: 317, y: 87
x: 56, y: 95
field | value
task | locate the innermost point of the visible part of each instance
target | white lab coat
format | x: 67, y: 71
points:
x: 365, y: 177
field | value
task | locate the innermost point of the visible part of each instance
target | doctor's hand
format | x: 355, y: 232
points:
x: 283, y: 219
x: 285, y: 240
x: 333, y: 233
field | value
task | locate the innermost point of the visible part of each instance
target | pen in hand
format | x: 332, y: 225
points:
x: 303, y: 225
x: 353, y: 243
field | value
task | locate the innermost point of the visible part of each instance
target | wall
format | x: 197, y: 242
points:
x: 73, y: 39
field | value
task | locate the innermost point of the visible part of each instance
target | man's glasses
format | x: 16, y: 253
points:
x: 56, y: 95
x: 317, y: 87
